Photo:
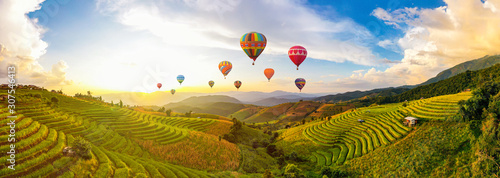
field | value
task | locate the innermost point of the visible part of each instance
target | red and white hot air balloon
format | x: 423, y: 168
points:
x: 297, y: 54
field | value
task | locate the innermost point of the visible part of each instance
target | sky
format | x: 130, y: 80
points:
x: 110, y: 46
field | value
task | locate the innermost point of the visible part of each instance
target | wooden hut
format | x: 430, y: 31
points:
x: 410, y: 121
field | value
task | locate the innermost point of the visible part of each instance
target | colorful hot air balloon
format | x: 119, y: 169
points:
x: 180, y: 79
x: 158, y: 85
x: 237, y: 84
x: 225, y: 67
x: 269, y: 73
x: 300, y: 82
x: 211, y: 83
x: 172, y: 91
x: 253, y: 44
x: 297, y: 54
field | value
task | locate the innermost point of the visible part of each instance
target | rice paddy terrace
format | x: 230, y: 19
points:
x: 343, y: 137
x: 42, y: 131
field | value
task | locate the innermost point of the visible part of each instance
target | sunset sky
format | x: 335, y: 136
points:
x: 130, y: 45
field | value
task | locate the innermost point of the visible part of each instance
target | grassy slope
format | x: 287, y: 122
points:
x: 435, y: 149
x: 91, y: 120
x: 432, y: 140
x: 285, y: 112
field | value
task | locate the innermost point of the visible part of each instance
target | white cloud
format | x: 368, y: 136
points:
x: 221, y: 23
x: 385, y: 43
x: 396, y: 17
x: 21, y: 45
x: 434, y: 40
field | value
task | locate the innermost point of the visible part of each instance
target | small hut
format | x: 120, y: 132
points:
x: 361, y: 120
x: 410, y: 121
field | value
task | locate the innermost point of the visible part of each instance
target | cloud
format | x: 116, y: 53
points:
x: 221, y: 23
x: 21, y: 45
x: 434, y: 40
x: 396, y: 17
x: 385, y: 43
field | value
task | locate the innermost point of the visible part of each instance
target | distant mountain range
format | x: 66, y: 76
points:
x: 161, y: 98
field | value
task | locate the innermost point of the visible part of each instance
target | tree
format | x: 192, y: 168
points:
x: 188, y: 114
x: 168, y: 112
x: 121, y: 103
x: 54, y: 100
x: 89, y: 93
x: 82, y: 148
x: 112, y: 103
x: 292, y: 171
x: 162, y: 109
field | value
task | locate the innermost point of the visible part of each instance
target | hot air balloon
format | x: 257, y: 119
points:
x: 237, y: 84
x: 172, y: 91
x: 297, y: 54
x: 180, y: 79
x: 158, y: 85
x: 211, y: 83
x: 269, y: 73
x: 253, y: 44
x: 225, y: 67
x: 300, y: 82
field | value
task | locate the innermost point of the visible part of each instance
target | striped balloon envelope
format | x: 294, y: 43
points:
x: 172, y: 91
x: 300, y: 82
x: 225, y: 67
x: 237, y: 84
x: 253, y: 44
x: 180, y: 79
x: 211, y: 83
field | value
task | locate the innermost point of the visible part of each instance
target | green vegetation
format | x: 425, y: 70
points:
x: 455, y: 136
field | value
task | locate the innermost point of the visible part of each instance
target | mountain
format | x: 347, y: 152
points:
x: 284, y: 113
x: 199, y: 100
x: 272, y: 101
x: 380, y: 92
x: 455, y: 84
x: 161, y: 98
x: 477, y: 64
x: 254, y: 96
x: 211, y: 104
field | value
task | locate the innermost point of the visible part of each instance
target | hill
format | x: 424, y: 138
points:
x: 118, y: 141
x: 455, y: 84
x: 473, y: 65
x: 343, y: 140
x: 285, y: 112
x: 272, y: 101
x: 212, y: 104
x: 380, y: 92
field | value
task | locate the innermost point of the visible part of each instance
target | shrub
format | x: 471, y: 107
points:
x: 268, y: 174
x: 292, y: 171
x: 82, y: 147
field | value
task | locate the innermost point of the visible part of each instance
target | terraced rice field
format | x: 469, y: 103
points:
x: 344, y: 138
x: 438, y: 108
x: 42, y: 131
